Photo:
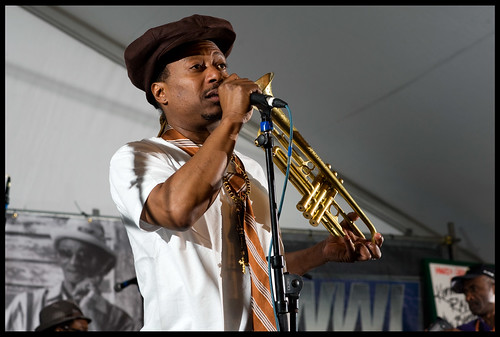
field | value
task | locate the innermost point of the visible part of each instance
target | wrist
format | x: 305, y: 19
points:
x: 231, y: 125
x: 323, y: 252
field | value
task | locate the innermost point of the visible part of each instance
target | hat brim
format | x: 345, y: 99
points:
x: 457, y: 282
x: 48, y: 325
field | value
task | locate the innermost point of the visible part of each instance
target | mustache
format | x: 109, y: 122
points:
x: 213, y: 91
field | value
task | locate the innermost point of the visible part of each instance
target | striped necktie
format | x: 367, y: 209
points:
x: 239, y: 188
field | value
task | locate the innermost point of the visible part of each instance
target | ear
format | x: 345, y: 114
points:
x: 159, y: 90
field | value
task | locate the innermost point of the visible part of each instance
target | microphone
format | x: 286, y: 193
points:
x: 122, y: 285
x: 440, y: 325
x: 266, y: 101
x: 7, y: 190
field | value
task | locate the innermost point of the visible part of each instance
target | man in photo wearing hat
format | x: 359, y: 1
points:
x: 478, y: 286
x: 196, y: 210
x: 85, y: 259
x: 62, y: 316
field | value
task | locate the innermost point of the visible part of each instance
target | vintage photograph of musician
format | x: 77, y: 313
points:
x: 52, y: 258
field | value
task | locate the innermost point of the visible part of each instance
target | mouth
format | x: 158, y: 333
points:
x: 213, y: 95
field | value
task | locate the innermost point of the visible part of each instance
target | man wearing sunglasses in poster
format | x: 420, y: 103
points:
x: 85, y: 260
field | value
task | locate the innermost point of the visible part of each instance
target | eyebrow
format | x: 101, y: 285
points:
x: 213, y: 54
x: 219, y: 53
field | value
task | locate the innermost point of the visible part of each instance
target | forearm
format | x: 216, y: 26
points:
x: 347, y: 249
x: 302, y: 261
x: 188, y: 193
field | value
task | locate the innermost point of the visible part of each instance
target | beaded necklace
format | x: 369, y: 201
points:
x: 239, y: 194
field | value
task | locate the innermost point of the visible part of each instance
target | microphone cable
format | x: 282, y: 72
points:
x: 289, y: 159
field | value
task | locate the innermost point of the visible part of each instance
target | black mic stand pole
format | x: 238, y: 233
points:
x: 291, y: 282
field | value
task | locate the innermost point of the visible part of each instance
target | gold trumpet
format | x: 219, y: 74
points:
x: 314, y: 180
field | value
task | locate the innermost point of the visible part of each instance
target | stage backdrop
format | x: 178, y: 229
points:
x: 328, y: 301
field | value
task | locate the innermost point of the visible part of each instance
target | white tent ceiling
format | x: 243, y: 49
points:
x: 400, y: 100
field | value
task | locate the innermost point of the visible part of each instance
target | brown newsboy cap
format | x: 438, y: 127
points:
x: 145, y: 56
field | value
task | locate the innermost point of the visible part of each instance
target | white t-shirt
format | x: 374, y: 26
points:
x: 189, y: 280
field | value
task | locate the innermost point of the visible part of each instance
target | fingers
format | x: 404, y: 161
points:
x: 345, y: 224
x: 363, y: 249
x: 375, y: 251
x: 235, y: 80
x: 350, y: 249
x: 362, y: 252
x: 234, y: 94
x: 374, y: 245
x: 378, y: 239
x: 353, y: 216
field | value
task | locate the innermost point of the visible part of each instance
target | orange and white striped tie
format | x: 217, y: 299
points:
x: 262, y: 306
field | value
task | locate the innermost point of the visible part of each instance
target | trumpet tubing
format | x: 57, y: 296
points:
x: 313, y: 179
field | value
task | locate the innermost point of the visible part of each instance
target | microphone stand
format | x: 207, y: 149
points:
x: 284, y: 283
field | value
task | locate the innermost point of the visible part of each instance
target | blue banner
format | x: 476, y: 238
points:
x: 359, y: 305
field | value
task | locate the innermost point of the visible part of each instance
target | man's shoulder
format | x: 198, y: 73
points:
x: 144, y: 146
x: 475, y: 325
x: 469, y: 326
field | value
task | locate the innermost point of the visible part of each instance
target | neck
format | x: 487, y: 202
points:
x: 197, y: 134
x: 489, y: 318
x: 68, y: 287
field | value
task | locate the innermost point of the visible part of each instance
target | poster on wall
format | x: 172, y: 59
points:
x: 53, y: 256
x: 445, y: 303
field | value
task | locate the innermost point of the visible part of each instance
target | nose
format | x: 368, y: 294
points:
x: 74, y: 260
x: 468, y: 295
x: 214, y: 74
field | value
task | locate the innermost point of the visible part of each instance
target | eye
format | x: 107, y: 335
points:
x: 65, y: 253
x: 197, y: 66
x: 222, y: 66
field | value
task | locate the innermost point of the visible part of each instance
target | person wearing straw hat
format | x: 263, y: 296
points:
x: 85, y: 259
x: 62, y: 316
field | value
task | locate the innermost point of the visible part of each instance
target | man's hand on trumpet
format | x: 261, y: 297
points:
x: 350, y: 248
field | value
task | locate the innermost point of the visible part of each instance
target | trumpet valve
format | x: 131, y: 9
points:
x: 304, y: 203
x: 325, y: 207
x: 311, y: 211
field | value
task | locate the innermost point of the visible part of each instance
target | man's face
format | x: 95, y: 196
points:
x: 192, y: 84
x: 480, y: 294
x: 78, y: 260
